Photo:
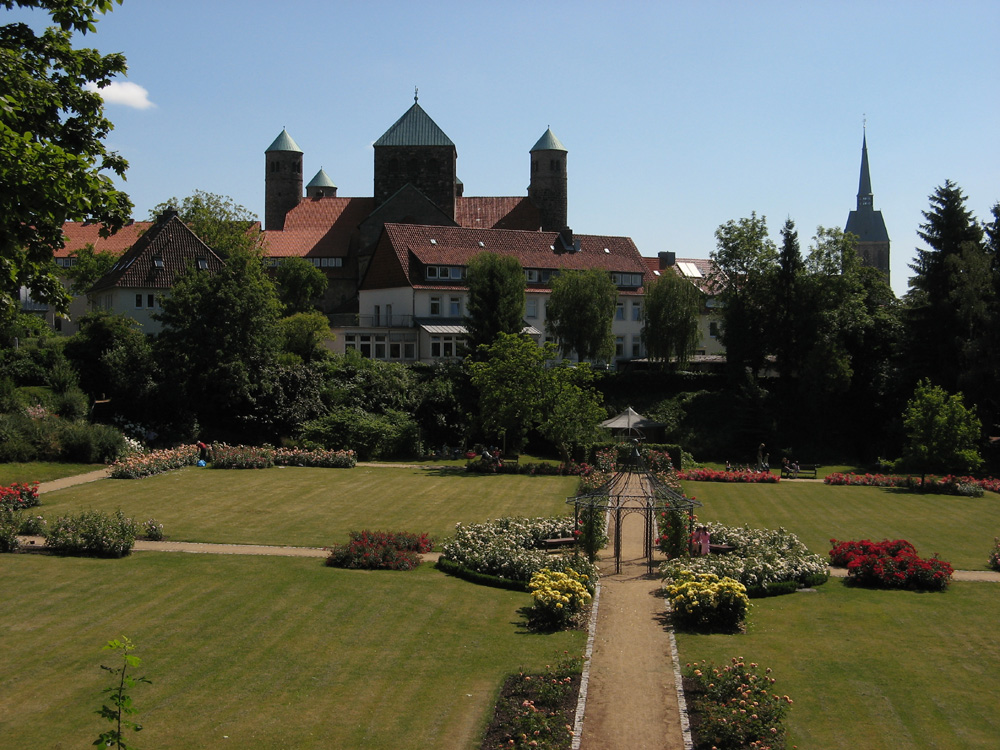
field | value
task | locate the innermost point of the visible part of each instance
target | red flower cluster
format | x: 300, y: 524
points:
x: 380, y: 550
x: 712, y: 475
x: 19, y: 495
x: 890, y: 564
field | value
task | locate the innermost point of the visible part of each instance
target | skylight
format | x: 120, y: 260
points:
x: 689, y: 269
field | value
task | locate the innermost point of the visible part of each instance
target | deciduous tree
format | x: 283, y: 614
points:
x: 54, y: 165
x: 496, y: 298
x: 299, y: 283
x: 670, y: 319
x: 580, y: 312
x: 942, y: 435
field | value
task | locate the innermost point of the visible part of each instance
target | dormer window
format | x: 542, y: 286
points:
x: 202, y: 264
x: 158, y: 264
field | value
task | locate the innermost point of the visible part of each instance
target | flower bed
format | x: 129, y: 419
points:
x: 510, y: 548
x: 380, y: 550
x: 19, y: 496
x: 319, y: 459
x: 154, y: 462
x: 949, y: 484
x: 761, y: 558
x: 707, y: 602
x: 571, y: 469
x: 557, y: 598
x: 733, y: 706
x: 890, y: 564
x: 712, y: 475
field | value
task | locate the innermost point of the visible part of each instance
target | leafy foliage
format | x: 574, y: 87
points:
x: 52, y: 128
x: 121, y: 702
x: 580, y: 312
x: 670, y: 319
x: 90, y: 266
x: 221, y: 223
x: 496, y: 298
x: 299, y: 283
x: 942, y: 434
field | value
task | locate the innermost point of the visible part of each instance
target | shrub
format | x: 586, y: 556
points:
x: 888, y: 564
x: 760, y: 558
x: 93, y: 532
x: 674, y: 539
x: 510, y: 548
x: 33, y: 526
x: 389, y: 435
x: 10, y: 527
x: 712, y: 475
x: 737, y: 707
x: 994, y: 560
x: 557, y: 598
x: 946, y: 485
x: 19, y: 496
x: 87, y: 443
x: 152, y: 530
x: 706, y: 602
x: 380, y: 550
x: 241, y: 457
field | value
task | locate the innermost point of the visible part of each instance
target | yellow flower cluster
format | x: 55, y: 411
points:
x: 557, y: 591
x: 706, y: 599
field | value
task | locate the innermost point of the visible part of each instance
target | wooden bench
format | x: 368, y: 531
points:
x: 806, y: 471
x: 554, y: 545
x: 510, y: 460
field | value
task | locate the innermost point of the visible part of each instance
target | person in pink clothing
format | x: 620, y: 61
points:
x: 701, y: 541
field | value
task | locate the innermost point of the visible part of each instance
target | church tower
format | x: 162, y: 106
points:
x: 867, y: 223
x: 416, y: 151
x: 547, y: 188
x: 282, y: 180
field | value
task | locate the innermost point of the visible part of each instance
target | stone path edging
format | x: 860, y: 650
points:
x: 581, y: 703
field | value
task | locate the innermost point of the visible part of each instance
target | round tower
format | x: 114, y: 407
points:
x: 547, y: 188
x: 282, y: 180
x: 321, y: 186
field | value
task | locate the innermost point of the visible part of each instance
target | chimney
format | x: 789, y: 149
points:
x: 167, y: 214
x: 667, y: 259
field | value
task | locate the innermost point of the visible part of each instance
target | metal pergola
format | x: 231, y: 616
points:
x: 632, y: 490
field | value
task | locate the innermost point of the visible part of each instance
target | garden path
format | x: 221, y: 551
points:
x: 631, y: 695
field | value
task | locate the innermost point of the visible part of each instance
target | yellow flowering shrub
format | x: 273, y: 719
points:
x: 557, y: 597
x: 704, y: 601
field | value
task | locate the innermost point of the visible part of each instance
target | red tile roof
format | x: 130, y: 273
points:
x: 320, y: 227
x: 169, y: 240
x: 393, y: 263
x: 704, y: 266
x: 497, y: 213
x: 77, y: 235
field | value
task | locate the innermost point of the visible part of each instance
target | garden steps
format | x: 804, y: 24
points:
x: 631, y: 695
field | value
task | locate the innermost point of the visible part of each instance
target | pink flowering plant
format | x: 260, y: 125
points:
x: 889, y: 564
x: 994, y: 560
x: 713, y: 475
x: 735, y: 706
x: 141, y: 465
x: 949, y: 484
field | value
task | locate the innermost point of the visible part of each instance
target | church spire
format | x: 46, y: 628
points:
x: 865, y: 197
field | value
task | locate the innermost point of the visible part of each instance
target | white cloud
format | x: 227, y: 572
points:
x: 123, y: 92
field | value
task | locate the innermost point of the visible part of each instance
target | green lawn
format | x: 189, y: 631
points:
x: 267, y: 651
x: 960, y: 530
x: 41, y: 471
x: 879, y: 670
x: 314, y: 507
x: 871, y: 669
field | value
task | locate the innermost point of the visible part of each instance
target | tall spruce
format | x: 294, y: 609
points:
x: 945, y: 290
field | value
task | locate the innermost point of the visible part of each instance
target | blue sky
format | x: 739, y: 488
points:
x: 677, y: 116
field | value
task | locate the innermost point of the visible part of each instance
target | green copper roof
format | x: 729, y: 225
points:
x: 283, y: 142
x: 321, y: 180
x: 414, y: 128
x: 548, y: 142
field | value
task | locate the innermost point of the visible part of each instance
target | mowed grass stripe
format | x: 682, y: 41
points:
x: 959, y: 529
x: 273, y: 652
x: 314, y: 507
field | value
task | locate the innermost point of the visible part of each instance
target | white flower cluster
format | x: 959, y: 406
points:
x: 510, y: 547
x: 761, y: 556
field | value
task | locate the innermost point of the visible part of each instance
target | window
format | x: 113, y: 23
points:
x: 394, y: 350
x: 619, y: 346
x: 388, y: 315
x: 150, y: 300
x: 409, y: 350
x: 444, y: 345
x: 636, y: 311
x: 138, y: 300
x: 158, y: 263
x: 544, y: 276
x: 627, y: 279
x: 376, y: 317
x: 331, y: 262
x: 637, y: 346
x: 531, y: 308
x: 435, y: 305
x: 365, y: 344
x: 202, y: 264
x: 620, y: 311
x: 456, y: 272
x: 531, y: 275
x: 455, y: 307
x: 713, y: 329
x: 432, y: 272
